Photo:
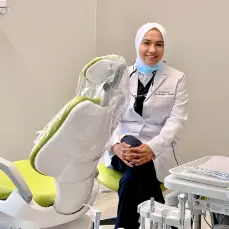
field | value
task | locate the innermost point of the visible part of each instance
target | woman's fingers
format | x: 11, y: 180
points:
x: 136, y: 161
x: 141, y: 160
x: 126, y: 155
x: 133, y: 156
x: 133, y: 153
x: 127, y: 163
x: 125, y: 145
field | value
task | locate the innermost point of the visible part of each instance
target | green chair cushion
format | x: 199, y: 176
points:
x: 42, y: 187
x: 110, y: 178
x: 55, y: 124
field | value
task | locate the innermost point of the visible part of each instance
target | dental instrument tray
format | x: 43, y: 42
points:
x: 210, y: 170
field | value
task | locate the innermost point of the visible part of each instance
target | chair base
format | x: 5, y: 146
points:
x: 17, y: 208
x: 108, y: 221
x: 83, y: 222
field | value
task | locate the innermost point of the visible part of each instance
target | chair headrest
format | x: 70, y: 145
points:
x: 102, y: 68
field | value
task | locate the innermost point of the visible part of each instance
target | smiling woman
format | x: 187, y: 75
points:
x: 152, y: 47
x: 142, y: 146
x: 149, y: 44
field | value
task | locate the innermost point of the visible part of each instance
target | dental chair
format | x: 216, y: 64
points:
x: 200, y: 189
x: 57, y: 186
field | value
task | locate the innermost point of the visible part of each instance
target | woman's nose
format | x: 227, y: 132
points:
x: 152, y: 48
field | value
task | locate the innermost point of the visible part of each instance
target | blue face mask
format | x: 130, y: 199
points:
x: 145, y: 69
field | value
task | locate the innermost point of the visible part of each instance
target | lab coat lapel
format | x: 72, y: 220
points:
x: 158, y: 80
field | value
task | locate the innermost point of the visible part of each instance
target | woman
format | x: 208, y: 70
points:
x: 143, y: 142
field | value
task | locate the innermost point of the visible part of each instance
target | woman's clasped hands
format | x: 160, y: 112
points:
x: 133, y: 155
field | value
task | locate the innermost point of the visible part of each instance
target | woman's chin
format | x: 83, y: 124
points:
x: 151, y: 62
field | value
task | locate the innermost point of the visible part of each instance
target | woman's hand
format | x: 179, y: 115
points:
x: 122, y: 151
x: 140, y: 155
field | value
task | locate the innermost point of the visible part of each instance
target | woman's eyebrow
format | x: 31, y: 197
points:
x: 160, y: 42
x: 147, y: 40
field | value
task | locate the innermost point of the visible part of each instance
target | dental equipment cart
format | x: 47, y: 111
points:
x: 199, y: 187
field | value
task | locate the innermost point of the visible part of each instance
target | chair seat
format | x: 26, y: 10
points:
x: 110, y: 178
x: 41, y: 186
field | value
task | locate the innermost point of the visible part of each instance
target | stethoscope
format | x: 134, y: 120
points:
x: 144, y: 95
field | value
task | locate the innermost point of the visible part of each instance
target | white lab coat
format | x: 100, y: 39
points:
x: 164, y: 115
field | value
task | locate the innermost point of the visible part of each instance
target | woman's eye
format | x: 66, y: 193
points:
x: 146, y: 43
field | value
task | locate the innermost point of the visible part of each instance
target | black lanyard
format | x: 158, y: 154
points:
x: 141, y: 93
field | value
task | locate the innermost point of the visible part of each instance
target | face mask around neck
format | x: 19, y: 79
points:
x: 145, y: 69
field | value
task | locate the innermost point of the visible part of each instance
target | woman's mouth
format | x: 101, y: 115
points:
x: 151, y: 57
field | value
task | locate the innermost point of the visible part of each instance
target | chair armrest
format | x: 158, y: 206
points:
x: 11, y: 171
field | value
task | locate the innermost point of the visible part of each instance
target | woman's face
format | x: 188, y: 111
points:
x: 152, y: 47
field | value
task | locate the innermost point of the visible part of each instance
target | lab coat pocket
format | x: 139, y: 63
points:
x: 160, y: 108
x: 163, y: 104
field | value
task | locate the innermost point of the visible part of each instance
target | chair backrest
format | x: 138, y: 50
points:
x: 70, y: 146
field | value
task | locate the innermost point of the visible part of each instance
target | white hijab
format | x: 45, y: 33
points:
x: 139, y: 37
